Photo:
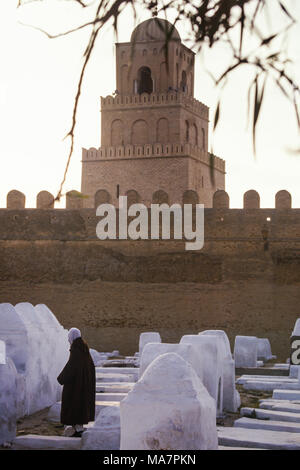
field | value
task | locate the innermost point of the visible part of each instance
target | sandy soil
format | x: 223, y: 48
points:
x: 38, y: 424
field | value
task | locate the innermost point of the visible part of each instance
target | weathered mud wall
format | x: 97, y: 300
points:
x: 246, y: 279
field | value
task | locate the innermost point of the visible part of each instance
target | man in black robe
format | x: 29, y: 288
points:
x: 79, y: 385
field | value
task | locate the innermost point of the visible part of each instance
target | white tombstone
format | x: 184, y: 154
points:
x: 105, y: 434
x: 169, y: 409
x: 209, y: 355
x: 187, y: 351
x: 231, y: 397
x: 245, y: 351
x: 48, y: 352
x: 148, y: 337
x: 13, y: 332
x: 37, y: 380
x: 264, y: 352
x: 8, y: 397
x: 296, y: 330
x: 58, y: 348
x: 2, y: 352
x: 295, y: 369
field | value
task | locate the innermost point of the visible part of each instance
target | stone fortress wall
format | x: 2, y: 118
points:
x: 245, y: 280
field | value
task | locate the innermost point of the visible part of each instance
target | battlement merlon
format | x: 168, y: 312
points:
x: 153, y: 150
x: 171, y: 98
x: 45, y: 200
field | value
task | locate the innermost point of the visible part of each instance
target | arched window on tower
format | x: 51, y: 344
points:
x: 183, y: 83
x: 194, y: 135
x: 145, y: 82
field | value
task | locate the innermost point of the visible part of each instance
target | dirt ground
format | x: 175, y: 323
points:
x: 38, y: 424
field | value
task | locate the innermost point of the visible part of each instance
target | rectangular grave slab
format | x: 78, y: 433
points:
x: 117, y: 387
x: 286, y: 394
x: 101, y: 378
x: 110, y: 396
x: 270, y: 414
x: 270, y: 425
x: 276, y: 378
x: 262, y: 371
x: 240, y: 437
x: 284, y: 406
x: 266, y: 386
x: 117, y: 370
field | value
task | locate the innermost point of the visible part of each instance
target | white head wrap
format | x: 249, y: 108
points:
x: 74, y: 333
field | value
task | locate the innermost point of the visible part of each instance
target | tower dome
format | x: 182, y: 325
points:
x: 154, y: 29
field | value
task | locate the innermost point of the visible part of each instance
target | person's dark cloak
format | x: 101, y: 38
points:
x: 79, y: 386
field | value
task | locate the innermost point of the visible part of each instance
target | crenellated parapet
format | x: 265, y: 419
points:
x: 154, y: 99
x: 74, y: 199
x: 152, y: 150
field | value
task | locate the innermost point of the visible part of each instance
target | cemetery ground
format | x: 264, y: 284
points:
x: 195, y: 394
x: 38, y: 424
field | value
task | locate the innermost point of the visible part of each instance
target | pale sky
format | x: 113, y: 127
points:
x: 38, y: 82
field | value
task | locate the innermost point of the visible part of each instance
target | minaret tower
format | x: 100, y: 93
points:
x: 154, y: 132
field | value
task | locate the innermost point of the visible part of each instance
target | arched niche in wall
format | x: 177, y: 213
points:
x: 193, y: 135
x: 117, y: 132
x: 162, y: 131
x: 139, y: 132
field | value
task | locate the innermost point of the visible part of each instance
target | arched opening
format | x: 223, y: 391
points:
x: 183, y: 83
x: 145, y: 82
x: 194, y: 135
